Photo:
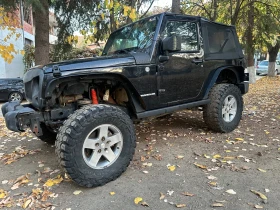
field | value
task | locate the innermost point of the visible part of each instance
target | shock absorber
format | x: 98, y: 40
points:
x: 94, y: 96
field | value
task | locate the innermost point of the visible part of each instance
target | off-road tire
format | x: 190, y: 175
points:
x: 71, y: 137
x: 212, y: 112
x: 48, y: 136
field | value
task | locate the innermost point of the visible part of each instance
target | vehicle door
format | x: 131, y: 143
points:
x: 181, y: 76
x: 3, y: 89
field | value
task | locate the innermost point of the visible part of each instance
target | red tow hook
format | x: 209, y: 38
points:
x: 94, y: 97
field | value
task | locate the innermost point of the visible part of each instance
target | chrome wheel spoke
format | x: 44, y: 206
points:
x: 112, y: 140
x: 232, y: 111
x: 224, y: 111
x: 90, y: 143
x: 103, y: 131
x: 231, y: 102
x: 94, y: 159
x: 227, y: 116
x: 109, y: 155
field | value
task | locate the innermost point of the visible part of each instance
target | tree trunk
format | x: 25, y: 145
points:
x: 215, y: 10
x: 250, y: 44
x: 273, y: 51
x: 41, y: 19
x: 176, y: 6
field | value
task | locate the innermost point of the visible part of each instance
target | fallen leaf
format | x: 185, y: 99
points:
x: 77, y: 192
x: 217, y: 205
x: 261, y: 170
x: 216, y: 156
x: 231, y: 191
x: 37, y: 191
x: 3, y: 194
x: 239, y: 139
x: 5, y: 181
x: 161, y: 196
x: 51, y: 182
x: 211, y: 177
x: 171, y: 168
x: 229, y: 158
x: 26, y: 203
x: 179, y: 156
x: 214, y: 184
x: 112, y: 193
x: 258, y: 207
x: 147, y: 164
x: 180, y: 205
x: 45, y: 195
x: 206, y: 156
x: 144, y: 204
x: 145, y: 172
x: 187, y: 194
x: 262, y: 196
x: 137, y: 200
x: 200, y: 166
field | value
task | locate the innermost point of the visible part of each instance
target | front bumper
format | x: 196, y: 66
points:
x: 261, y: 71
x: 19, y: 117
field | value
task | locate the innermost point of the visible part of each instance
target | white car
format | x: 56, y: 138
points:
x: 262, y: 67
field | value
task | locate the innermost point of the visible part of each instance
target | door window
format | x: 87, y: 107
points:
x: 188, y: 32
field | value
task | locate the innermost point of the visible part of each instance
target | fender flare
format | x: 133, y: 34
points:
x: 213, y: 76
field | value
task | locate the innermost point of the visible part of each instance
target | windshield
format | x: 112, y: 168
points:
x: 135, y: 37
x: 263, y: 63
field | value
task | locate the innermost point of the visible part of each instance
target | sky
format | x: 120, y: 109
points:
x: 162, y: 3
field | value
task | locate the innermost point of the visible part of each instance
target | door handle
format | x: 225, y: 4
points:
x: 197, y: 61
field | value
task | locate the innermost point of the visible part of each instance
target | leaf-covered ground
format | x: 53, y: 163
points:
x: 179, y: 163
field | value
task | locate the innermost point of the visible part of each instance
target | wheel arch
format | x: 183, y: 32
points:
x: 134, y: 97
x: 225, y: 74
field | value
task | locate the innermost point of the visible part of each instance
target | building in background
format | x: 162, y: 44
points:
x: 16, y: 67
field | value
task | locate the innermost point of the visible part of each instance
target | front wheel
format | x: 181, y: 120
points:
x: 224, y: 111
x: 96, y: 144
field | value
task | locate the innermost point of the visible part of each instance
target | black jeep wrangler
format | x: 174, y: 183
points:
x: 152, y: 67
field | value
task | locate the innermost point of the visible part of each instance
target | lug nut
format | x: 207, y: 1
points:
x: 99, y: 150
x: 97, y: 145
x: 103, y: 138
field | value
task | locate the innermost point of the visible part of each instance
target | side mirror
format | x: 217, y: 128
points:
x: 172, y: 43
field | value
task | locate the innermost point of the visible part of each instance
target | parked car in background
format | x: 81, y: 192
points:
x: 262, y: 67
x: 11, y: 89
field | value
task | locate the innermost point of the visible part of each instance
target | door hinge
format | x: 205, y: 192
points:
x: 56, y: 71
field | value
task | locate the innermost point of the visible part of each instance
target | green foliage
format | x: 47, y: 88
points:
x: 75, y: 53
x: 28, y: 57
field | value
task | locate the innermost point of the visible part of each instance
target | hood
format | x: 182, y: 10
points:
x: 92, y: 63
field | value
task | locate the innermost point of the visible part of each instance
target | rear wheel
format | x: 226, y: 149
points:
x: 224, y: 111
x: 15, y: 96
x: 96, y: 144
